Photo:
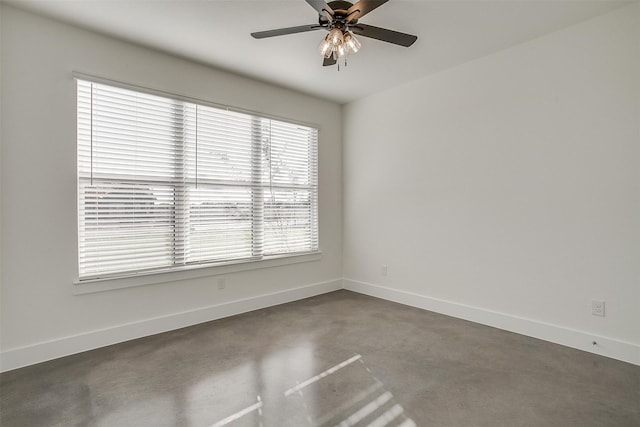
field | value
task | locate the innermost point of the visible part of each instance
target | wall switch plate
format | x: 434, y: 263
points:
x: 597, y: 308
x: 222, y: 283
x: 384, y: 269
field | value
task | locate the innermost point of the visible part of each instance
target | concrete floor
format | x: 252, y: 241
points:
x: 337, y: 359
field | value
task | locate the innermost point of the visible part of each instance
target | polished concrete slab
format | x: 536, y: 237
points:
x: 337, y: 359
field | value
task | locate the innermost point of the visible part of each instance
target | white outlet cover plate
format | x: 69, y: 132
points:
x: 597, y: 308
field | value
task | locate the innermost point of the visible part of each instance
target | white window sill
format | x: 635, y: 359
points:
x: 150, y: 278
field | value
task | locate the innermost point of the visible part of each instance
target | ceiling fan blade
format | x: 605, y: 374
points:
x: 383, y: 34
x: 329, y: 61
x: 322, y: 8
x: 363, y: 7
x: 285, y: 31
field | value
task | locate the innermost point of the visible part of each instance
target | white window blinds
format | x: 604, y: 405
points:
x: 165, y: 183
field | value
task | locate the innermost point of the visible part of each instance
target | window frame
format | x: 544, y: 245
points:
x: 114, y: 280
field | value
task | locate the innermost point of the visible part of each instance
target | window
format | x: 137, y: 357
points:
x: 167, y: 184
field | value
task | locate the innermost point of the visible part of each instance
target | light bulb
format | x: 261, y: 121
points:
x: 325, y: 48
x: 351, y: 41
x: 335, y: 37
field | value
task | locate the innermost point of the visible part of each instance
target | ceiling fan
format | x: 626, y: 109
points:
x: 340, y: 19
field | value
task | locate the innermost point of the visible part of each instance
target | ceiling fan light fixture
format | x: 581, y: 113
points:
x: 339, y: 43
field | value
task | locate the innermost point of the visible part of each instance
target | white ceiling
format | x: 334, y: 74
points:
x: 216, y: 32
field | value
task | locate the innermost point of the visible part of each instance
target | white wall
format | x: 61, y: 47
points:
x: 509, y: 185
x: 41, y: 317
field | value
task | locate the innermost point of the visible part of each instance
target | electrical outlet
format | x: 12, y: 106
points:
x: 222, y: 282
x: 384, y: 269
x: 597, y: 308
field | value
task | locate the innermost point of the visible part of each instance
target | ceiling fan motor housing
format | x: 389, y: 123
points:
x: 340, y: 14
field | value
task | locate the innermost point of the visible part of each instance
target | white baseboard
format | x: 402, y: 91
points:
x: 41, y: 352
x: 616, y: 349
